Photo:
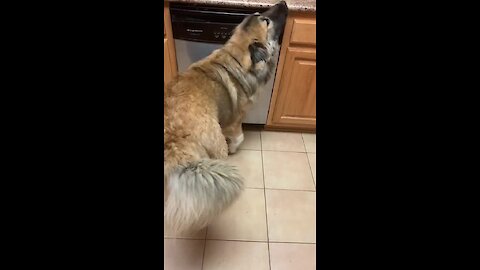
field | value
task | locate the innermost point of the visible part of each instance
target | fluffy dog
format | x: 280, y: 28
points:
x: 203, y: 112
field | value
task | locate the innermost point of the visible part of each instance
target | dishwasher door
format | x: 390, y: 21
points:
x: 189, y: 52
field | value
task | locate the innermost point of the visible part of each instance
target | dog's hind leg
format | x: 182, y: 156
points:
x: 213, y: 140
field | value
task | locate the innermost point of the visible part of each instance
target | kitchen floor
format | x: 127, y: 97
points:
x: 272, y: 226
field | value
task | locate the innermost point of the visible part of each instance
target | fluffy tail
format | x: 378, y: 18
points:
x: 199, y: 192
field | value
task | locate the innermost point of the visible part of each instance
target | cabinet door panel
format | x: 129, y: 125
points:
x: 296, y: 103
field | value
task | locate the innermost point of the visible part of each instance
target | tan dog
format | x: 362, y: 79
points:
x: 203, y: 110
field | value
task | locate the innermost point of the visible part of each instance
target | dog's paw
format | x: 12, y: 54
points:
x: 232, y: 149
x: 234, y: 143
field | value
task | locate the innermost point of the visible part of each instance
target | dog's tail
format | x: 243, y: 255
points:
x: 198, y: 192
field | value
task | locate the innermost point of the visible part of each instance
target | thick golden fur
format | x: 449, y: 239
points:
x: 203, y: 109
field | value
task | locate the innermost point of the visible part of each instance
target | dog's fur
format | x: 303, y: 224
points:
x: 203, y: 112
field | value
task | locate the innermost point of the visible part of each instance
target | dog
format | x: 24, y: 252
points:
x: 203, y: 112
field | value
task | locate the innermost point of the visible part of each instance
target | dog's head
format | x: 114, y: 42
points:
x: 262, y: 33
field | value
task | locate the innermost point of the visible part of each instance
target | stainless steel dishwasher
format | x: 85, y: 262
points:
x: 199, y: 30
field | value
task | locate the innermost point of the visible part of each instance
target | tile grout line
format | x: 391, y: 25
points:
x: 283, y: 189
x: 238, y: 240
x: 282, y: 151
x: 309, y: 165
x: 265, y: 198
x: 244, y: 241
x: 181, y: 238
x: 285, y: 151
x: 204, y: 247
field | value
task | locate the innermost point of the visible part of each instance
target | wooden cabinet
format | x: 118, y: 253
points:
x: 293, y: 105
x: 170, y: 60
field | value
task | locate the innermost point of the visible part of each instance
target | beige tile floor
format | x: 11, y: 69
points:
x: 272, y: 226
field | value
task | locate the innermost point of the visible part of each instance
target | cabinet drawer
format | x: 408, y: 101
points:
x: 304, y: 32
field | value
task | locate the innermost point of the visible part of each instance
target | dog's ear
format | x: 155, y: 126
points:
x: 258, y: 52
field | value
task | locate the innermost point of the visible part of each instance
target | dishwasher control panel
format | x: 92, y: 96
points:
x: 193, y: 22
x: 207, y: 32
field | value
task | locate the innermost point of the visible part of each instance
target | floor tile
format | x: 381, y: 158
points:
x: 282, y: 141
x: 292, y: 256
x: 249, y: 164
x: 251, y: 140
x: 230, y: 255
x: 244, y: 220
x: 287, y: 170
x: 310, y: 141
x: 182, y: 254
x: 312, y: 158
x: 291, y: 216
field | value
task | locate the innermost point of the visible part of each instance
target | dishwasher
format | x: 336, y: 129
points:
x: 198, y: 30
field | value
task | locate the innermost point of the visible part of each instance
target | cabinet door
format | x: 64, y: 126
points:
x: 167, y: 73
x: 296, y: 101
